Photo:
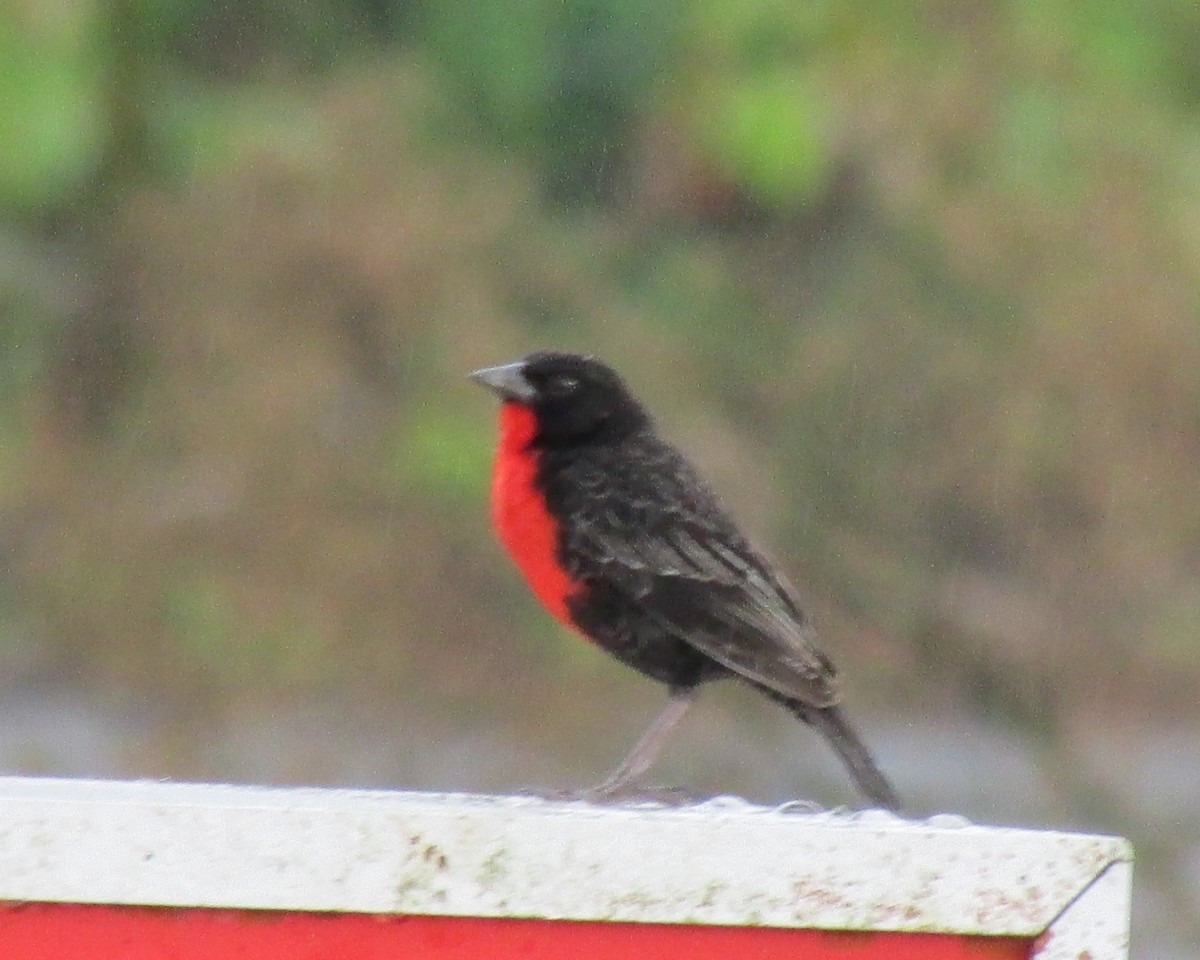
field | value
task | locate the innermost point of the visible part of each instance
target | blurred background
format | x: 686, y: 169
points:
x: 915, y: 284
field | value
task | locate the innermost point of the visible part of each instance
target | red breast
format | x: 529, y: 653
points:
x: 528, y: 530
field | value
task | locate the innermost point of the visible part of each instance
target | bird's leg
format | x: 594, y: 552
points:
x: 638, y: 760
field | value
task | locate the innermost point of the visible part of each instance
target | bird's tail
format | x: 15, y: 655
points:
x: 857, y: 758
x: 831, y: 722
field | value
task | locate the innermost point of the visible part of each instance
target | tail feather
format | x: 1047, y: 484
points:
x: 857, y: 758
x: 832, y: 723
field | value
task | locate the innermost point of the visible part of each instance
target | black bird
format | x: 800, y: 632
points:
x: 621, y: 540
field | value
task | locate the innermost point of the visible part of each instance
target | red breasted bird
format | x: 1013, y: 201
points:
x: 622, y: 541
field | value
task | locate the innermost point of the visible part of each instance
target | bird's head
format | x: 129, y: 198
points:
x: 574, y: 398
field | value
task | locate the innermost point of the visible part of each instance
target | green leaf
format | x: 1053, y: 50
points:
x: 51, y: 114
x: 767, y: 130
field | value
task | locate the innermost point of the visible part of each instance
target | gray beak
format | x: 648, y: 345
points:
x: 507, y: 381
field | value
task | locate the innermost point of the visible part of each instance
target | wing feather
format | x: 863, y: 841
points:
x: 673, y: 550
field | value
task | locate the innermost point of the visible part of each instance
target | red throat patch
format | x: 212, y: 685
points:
x: 525, y: 526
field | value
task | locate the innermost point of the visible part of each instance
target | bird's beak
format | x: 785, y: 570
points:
x: 508, y: 381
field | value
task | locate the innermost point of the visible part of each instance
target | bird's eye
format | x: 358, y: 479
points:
x: 563, y: 384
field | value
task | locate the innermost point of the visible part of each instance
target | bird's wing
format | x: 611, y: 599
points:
x: 671, y: 548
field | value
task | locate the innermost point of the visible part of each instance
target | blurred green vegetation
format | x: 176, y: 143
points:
x: 916, y: 283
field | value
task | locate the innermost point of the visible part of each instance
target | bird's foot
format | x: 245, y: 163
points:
x: 628, y: 793
x: 605, y: 794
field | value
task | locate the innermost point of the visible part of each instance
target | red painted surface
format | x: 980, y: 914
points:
x: 75, y: 932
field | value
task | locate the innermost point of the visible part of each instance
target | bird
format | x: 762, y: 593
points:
x: 622, y: 541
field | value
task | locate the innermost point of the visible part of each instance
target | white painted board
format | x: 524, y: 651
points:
x: 722, y: 862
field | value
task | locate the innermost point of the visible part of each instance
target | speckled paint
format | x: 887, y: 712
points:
x: 723, y: 864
